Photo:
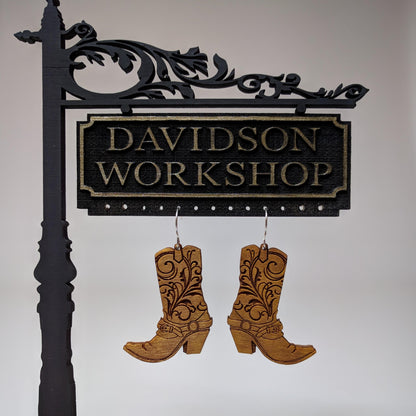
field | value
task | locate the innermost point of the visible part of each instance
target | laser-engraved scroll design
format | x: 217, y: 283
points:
x: 261, y: 286
x: 180, y: 283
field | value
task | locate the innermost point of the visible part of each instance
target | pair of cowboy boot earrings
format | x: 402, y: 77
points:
x: 186, y: 321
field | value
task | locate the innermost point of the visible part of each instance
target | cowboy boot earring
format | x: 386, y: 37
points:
x: 253, y: 321
x: 186, y: 321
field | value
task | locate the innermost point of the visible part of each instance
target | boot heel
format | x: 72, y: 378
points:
x: 195, y: 342
x: 243, y: 342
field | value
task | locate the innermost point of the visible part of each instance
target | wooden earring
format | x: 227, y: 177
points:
x: 186, y: 321
x: 253, y: 320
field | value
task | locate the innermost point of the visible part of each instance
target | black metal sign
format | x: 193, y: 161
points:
x: 210, y: 165
x: 228, y: 164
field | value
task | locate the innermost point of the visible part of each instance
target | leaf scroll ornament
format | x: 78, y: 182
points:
x: 180, y: 284
x: 161, y: 71
x: 261, y: 283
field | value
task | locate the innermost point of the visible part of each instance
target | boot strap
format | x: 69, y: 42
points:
x: 192, y: 326
x: 275, y: 327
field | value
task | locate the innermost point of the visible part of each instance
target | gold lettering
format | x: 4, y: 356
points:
x: 138, y: 177
x: 196, y: 139
x: 213, y: 131
x: 271, y: 174
x: 304, y: 174
x: 311, y: 143
x: 249, y: 139
x: 113, y: 138
x: 182, y: 169
x: 152, y: 140
x: 204, y: 173
x: 106, y: 178
x: 264, y: 136
x: 234, y: 173
x: 317, y: 174
x: 172, y: 145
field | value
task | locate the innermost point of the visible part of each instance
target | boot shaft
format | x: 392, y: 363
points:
x: 262, y: 271
x: 179, y: 277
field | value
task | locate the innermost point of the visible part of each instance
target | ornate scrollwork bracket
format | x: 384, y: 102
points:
x: 162, y: 74
x: 161, y: 70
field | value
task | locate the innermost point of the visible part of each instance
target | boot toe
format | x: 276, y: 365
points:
x: 283, y: 352
x: 133, y: 348
x: 297, y: 354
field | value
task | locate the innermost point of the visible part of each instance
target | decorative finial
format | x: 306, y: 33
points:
x: 28, y: 36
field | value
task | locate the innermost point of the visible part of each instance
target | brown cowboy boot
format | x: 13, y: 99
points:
x: 253, y: 318
x: 185, y: 321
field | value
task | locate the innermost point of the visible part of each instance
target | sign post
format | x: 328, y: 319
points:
x: 129, y: 165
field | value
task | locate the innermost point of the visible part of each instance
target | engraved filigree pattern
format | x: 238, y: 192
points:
x: 261, y: 284
x: 180, y: 284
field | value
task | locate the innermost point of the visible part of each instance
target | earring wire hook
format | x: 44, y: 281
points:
x: 178, y: 242
x: 266, y: 218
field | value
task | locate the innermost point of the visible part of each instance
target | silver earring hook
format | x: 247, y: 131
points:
x: 266, y: 218
x: 178, y: 242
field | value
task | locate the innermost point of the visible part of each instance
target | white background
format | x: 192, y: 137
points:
x: 350, y: 282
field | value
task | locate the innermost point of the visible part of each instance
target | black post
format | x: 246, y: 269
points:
x: 55, y: 270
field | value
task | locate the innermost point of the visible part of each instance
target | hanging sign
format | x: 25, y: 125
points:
x: 213, y: 164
